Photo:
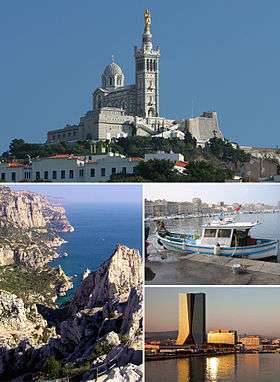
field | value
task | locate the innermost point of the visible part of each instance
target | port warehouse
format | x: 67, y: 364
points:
x: 69, y: 168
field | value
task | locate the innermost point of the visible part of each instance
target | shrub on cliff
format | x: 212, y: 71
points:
x: 139, y: 146
x: 53, y: 367
x: 102, y: 348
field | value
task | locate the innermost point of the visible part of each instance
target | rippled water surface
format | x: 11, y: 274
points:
x: 227, y: 368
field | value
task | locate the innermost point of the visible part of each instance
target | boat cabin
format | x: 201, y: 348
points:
x: 228, y: 234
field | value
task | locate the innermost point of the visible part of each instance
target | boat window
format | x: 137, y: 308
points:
x: 224, y: 233
x: 210, y: 232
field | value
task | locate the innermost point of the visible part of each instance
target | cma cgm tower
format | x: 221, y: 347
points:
x: 191, y: 330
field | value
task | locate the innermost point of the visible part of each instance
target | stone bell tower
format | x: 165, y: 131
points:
x: 147, y: 74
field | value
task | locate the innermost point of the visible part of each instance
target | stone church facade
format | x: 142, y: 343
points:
x: 120, y: 110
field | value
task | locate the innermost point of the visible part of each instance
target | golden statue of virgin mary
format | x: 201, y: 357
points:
x: 147, y: 17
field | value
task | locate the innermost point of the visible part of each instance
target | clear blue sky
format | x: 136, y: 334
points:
x: 87, y: 193
x: 217, y: 54
x: 248, y: 310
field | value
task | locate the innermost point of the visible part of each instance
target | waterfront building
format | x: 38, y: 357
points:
x: 251, y: 342
x: 120, y: 110
x: 197, y: 207
x: 222, y: 337
x: 191, y: 323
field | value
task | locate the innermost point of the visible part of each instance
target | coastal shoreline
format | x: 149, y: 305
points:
x: 194, y: 216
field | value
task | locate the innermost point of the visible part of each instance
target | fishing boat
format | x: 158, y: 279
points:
x: 221, y: 237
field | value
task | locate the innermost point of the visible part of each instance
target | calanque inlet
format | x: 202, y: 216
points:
x: 98, y: 333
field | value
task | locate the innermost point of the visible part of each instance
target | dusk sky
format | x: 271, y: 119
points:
x: 87, y: 193
x: 215, y: 54
x: 248, y: 310
x: 214, y: 192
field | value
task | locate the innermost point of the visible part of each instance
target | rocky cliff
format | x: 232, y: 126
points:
x: 29, y: 228
x: 19, y: 322
x: 100, y: 329
x: 114, y: 279
x: 25, y: 209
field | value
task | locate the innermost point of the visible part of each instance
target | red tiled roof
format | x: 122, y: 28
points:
x: 59, y: 156
x: 16, y: 165
x: 179, y: 163
x: 136, y: 158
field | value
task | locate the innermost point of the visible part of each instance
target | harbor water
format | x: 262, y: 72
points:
x: 224, y: 368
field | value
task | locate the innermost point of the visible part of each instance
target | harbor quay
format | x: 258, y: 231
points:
x: 185, y: 354
x: 198, y: 269
x: 169, y: 353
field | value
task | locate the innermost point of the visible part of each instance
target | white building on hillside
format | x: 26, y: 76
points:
x: 15, y: 172
x: 162, y: 155
x: 68, y: 168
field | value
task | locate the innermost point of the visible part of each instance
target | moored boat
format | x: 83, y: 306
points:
x: 222, y: 237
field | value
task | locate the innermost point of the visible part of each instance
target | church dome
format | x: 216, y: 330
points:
x: 113, y: 70
x: 112, y: 76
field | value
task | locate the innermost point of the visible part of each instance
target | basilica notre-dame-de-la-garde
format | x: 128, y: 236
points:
x: 120, y: 110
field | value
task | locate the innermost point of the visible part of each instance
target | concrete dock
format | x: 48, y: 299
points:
x: 170, y: 268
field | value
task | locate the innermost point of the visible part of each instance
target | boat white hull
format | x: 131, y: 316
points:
x: 254, y: 252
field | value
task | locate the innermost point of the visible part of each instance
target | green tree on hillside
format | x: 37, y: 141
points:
x: 225, y: 151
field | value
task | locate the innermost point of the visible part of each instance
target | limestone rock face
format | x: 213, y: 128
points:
x: 18, y: 322
x: 131, y: 373
x: 133, y: 314
x: 64, y: 283
x: 29, y: 227
x: 6, y: 255
x: 25, y: 209
x: 114, y: 279
x: 111, y: 338
x: 102, y: 325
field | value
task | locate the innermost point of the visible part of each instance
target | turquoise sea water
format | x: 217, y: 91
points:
x: 98, y: 229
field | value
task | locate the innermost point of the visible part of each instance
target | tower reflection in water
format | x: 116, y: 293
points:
x: 199, y: 369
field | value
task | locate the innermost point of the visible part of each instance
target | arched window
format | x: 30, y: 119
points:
x: 111, y: 81
x: 155, y: 65
x: 148, y: 64
x: 151, y: 112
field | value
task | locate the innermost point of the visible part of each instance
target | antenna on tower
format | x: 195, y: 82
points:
x: 113, y: 58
